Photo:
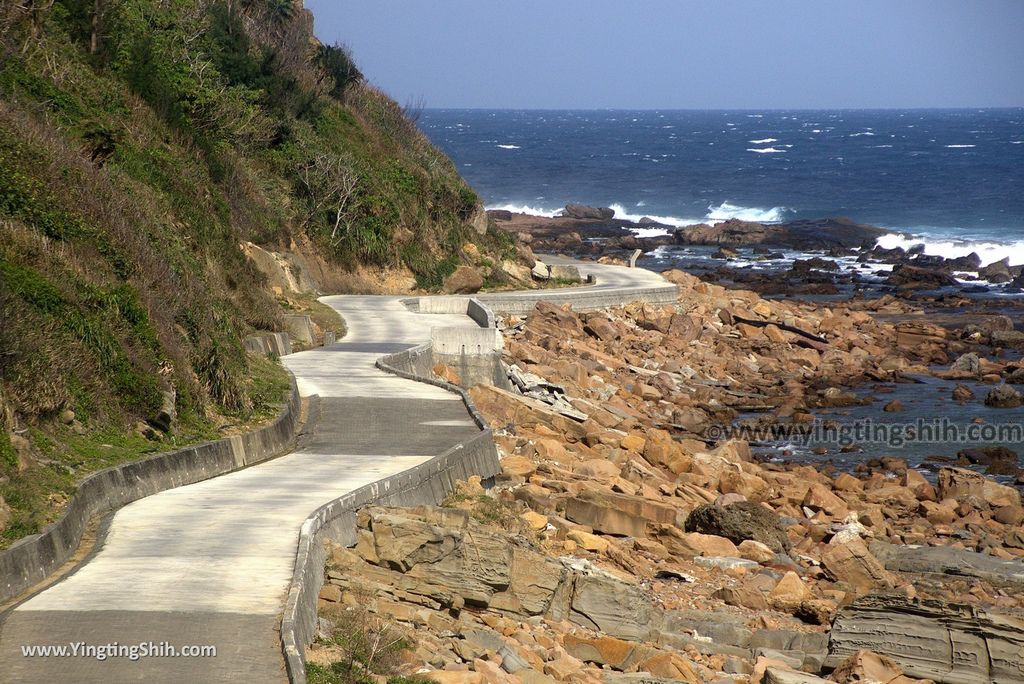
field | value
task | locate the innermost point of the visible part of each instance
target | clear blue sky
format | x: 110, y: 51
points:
x: 651, y: 54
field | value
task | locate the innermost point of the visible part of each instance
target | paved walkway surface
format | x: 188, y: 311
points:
x: 210, y: 563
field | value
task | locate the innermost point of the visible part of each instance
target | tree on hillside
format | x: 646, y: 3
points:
x: 329, y: 183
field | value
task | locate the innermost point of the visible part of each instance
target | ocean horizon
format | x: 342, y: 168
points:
x: 951, y: 180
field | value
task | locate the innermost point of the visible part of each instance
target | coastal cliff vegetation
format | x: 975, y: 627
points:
x: 146, y: 146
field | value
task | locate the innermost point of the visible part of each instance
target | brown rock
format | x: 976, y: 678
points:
x: 604, y: 650
x: 690, y: 544
x: 446, y: 373
x: 619, y: 514
x: 598, y: 469
x: 893, y: 406
x: 922, y: 488
x: 962, y: 484
x: 550, y: 449
x: 848, y: 483
x: 465, y: 280
x: 535, y: 521
x: 602, y: 327
x: 588, y: 542
x: 755, y: 551
x: 563, y: 668
x: 330, y: 593
x: 938, y: 514
x: 962, y: 393
x: 820, y: 498
x: 670, y: 666
x: 866, y: 667
x: 1009, y: 515
x: 454, y: 677
x: 854, y: 564
x: 518, y: 466
x: 789, y: 592
x: 633, y: 442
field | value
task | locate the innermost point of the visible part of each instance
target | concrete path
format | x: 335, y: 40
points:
x: 209, y: 564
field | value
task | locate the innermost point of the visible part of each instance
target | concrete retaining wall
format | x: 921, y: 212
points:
x: 427, y: 483
x: 471, y: 306
x: 580, y: 299
x: 269, y: 344
x: 465, y: 340
x: 33, y: 558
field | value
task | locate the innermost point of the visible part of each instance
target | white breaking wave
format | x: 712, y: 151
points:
x: 1017, y: 142
x: 526, y: 209
x: 764, y: 150
x: 857, y: 135
x: 725, y: 211
x: 951, y: 248
x: 957, y: 147
x: 510, y: 147
x: 763, y: 141
x: 722, y: 212
x: 674, y: 221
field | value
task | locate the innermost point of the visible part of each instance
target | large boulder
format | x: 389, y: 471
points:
x: 739, y: 522
x: 1004, y: 396
x: 867, y: 666
x: 465, y: 280
x: 966, y: 485
x: 851, y: 562
x: 997, y: 271
x: 618, y: 514
x: 583, y: 212
x: 915, y: 277
x: 611, y: 606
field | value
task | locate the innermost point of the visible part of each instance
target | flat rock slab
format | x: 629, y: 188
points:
x: 944, y: 560
x: 948, y: 643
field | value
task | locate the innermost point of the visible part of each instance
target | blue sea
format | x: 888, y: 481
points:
x: 952, y: 179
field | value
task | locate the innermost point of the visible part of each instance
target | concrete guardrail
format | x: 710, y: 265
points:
x: 32, y: 559
x: 427, y: 483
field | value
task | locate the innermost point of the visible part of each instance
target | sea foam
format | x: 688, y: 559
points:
x: 715, y: 214
x: 951, y: 248
x: 726, y: 211
x: 526, y: 209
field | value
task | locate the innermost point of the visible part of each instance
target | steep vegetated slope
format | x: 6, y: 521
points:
x: 144, y: 145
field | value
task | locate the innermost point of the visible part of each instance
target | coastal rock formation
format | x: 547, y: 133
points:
x: 907, y: 277
x: 944, y: 642
x: 580, y: 211
x: 739, y: 522
x: 1004, y: 396
x: 822, y: 234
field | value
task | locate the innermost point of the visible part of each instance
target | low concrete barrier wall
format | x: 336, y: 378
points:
x: 32, y: 559
x: 454, y: 304
x: 580, y: 299
x: 269, y: 344
x: 465, y: 340
x: 427, y: 483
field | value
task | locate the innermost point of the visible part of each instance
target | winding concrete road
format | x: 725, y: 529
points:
x: 209, y: 564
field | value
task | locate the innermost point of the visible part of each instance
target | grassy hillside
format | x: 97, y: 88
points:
x: 141, y: 142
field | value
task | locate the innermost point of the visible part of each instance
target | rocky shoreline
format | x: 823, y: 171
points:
x: 633, y: 537
x: 845, y: 259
